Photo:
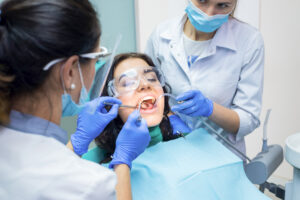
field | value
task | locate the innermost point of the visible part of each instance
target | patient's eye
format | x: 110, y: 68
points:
x: 202, y: 1
x: 127, y: 82
x: 151, y: 77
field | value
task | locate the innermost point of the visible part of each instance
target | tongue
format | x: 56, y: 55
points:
x: 147, y: 106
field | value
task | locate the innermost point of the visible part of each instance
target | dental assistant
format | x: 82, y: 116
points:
x: 215, y: 64
x: 48, y: 52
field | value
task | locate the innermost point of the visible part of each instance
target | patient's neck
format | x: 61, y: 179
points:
x: 156, y: 135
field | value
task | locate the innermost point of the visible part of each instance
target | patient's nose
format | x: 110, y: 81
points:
x: 144, y: 85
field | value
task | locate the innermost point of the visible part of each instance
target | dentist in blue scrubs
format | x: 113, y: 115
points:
x: 48, y: 52
x: 215, y: 64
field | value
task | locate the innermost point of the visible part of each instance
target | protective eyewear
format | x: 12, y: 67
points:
x: 96, y: 55
x: 131, y: 79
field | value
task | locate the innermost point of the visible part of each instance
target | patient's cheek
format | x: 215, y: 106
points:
x: 125, y: 112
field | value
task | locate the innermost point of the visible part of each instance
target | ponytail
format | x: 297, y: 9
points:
x: 5, y: 100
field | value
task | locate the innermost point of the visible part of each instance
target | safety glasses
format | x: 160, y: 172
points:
x: 131, y: 79
x: 96, y: 55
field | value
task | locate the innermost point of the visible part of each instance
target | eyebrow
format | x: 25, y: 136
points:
x: 122, y: 76
x: 145, y: 71
x: 148, y: 71
x: 225, y: 2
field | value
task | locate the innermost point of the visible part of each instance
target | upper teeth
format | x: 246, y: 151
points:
x: 148, y: 98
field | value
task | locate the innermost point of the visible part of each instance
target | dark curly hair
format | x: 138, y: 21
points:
x: 107, y: 139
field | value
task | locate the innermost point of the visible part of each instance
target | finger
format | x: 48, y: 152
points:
x: 103, y: 110
x: 103, y: 100
x: 173, y: 119
x: 186, y: 96
x: 112, y: 100
x: 190, y: 111
x: 184, y: 105
x: 114, y: 110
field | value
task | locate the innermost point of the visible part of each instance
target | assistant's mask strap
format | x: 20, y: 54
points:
x: 62, y: 79
x: 83, y: 93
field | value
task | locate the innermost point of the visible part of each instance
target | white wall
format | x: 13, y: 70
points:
x: 279, y: 23
x: 281, y: 30
x: 149, y: 13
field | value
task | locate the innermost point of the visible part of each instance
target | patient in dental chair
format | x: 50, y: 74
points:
x: 136, y: 82
x: 176, y: 165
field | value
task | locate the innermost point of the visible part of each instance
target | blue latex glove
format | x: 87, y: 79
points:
x: 131, y: 142
x: 91, y: 122
x: 194, y: 105
x: 178, y: 125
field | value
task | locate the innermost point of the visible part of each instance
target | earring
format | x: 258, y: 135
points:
x: 73, y: 86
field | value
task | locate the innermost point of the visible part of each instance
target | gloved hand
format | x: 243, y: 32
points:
x: 194, y: 105
x: 178, y: 125
x: 91, y: 122
x: 131, y: 142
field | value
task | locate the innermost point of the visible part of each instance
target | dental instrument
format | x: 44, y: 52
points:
x: 139, y: 119
x: 122, y: 105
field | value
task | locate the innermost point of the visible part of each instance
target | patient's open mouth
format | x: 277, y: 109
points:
x: 147, y: 103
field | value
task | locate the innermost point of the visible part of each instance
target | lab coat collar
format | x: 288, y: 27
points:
x: 223, y: 38
x: 173, y: 36
x: 176, y: 30
x: 34, y: 125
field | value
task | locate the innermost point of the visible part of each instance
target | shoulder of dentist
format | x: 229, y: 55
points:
x: 45, y: 82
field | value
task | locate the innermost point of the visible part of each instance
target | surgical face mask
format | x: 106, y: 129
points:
x: 202, y: 22
x: 130, y: 80
x: 69, y: 107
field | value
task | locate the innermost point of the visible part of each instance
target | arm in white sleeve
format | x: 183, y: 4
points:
x: 248, y: 99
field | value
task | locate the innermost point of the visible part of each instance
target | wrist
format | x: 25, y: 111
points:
x: 79, y: 144
x: 70, y: 145
x: 210, y: 108
x: 119, y: 166
x: 115, y: 163
x: 120, y: 157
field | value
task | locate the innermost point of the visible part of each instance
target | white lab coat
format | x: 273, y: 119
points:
x: 229, y: 72
x: 38, y: 167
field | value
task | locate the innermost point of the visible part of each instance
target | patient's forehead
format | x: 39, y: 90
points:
x: 129, y: 64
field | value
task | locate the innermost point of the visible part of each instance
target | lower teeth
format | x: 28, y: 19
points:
x: 146, y: 106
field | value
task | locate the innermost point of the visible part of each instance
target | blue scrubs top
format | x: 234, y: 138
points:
x: 34, y: 125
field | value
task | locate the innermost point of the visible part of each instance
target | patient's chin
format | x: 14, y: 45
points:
x: 153, y: 120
